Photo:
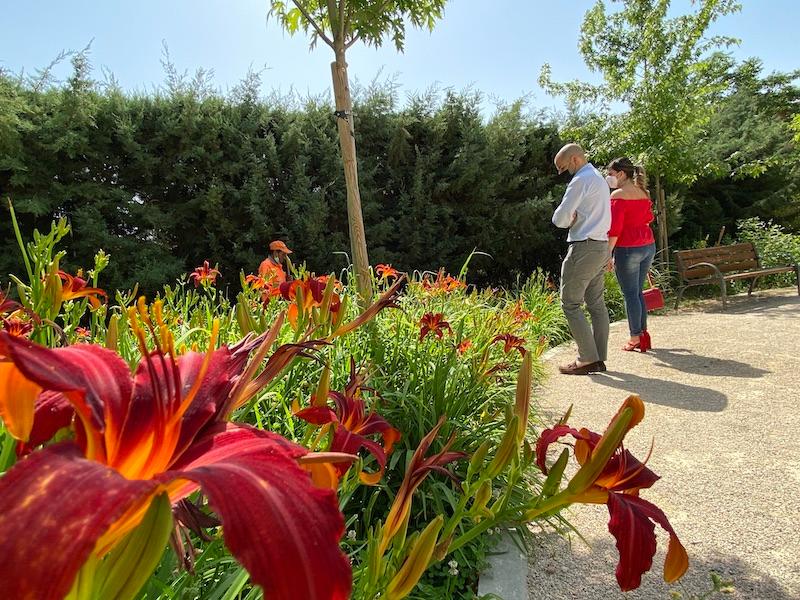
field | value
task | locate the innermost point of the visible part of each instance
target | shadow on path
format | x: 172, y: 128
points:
x: 685, y: 361
x: 590, y: 574
x: 766, y: 306
x: 666, y: 393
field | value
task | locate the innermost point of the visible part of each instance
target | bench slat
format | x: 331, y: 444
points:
x: 700, y: 272
x: 716, y: 251
x: 718, y: 259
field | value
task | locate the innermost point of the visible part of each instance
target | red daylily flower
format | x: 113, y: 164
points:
x: 433, y: 323
x: 386, y: 271
x: 17, y: 327
x: 510, y: 342
x: 73, y: 287
x: 465, y: 345
x: 306, y: 294
x: 351, y: 426
x: 268, y: 284
x: 419, y: 468
x: 159, y: 430
x: 7, y: 305
x: 519, y: 314
x: 611, y: 475
x: 204, y: 275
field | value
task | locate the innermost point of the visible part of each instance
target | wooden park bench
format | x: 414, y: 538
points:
x: 720, y: 264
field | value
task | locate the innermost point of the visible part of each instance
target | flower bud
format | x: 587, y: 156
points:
x: 476, y: 462
x: 506, y: 450
x: 416, y: 562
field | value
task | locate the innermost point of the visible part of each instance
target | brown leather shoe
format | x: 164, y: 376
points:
x: 573, y: 368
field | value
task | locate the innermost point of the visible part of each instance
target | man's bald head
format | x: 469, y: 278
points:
x: 570, y: 158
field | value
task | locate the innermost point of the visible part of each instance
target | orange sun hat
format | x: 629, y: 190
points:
x: 279, y: 245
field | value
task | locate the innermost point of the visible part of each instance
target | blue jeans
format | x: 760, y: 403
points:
x: 631, y: 266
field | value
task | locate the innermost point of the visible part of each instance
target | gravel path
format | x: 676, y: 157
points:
x: 722, y: 402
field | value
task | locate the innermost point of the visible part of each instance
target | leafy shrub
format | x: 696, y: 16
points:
x: 775, y: 247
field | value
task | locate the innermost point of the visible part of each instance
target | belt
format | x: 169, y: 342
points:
x: 588, y: 240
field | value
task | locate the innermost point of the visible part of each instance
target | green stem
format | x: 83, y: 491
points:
x: 472, y: 534
x: 20, y: 242
x: 457, y: 516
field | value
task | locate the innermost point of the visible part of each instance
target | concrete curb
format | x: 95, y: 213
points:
x: 507, y: 575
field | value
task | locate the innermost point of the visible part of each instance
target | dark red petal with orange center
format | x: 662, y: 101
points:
x: 377, y: 424
x: 101, y: 378
x: 54, y: 506
x: 283, y: 529
x: 550, y: 436
x: 350, y: 443
x: 625, y: 472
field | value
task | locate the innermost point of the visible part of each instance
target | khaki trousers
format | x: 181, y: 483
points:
x: 583, y: 282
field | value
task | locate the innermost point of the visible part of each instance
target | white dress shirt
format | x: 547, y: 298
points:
x: 586, y: 207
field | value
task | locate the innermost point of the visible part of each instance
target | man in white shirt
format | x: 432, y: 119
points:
x: 586, y: 211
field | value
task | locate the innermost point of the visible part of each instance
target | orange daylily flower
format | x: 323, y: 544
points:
x: 386, y: 271
x: 204, y: 275
x: 443, y: 283
x: 465, y: 345
x: 306, y: 294
x: 519, y: 314
x: 73, y: 287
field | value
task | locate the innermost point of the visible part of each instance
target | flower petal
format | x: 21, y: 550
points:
x: 52, y: 412
x: 631, y: 523
x: 550, y: 436
x: 17, y: 398
x: 283, y: 529
x: 96, y: 381
x: 317, y: 415
x: 54, y: 506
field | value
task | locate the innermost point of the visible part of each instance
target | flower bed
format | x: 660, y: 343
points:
x: 289, y: 442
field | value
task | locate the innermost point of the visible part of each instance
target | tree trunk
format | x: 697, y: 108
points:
x: 662, y: 234
x: 347, y: 142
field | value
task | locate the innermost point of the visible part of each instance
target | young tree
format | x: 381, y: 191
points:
x: 340, y: 24
x: 665, y: 70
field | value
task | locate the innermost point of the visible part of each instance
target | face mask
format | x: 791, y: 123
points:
x: 611, y: 180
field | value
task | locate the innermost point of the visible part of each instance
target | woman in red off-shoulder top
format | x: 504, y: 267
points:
x: 632, y: 244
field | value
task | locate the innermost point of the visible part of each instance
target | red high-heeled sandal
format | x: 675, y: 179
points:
x: 645, y: 342
x: 631, y: 346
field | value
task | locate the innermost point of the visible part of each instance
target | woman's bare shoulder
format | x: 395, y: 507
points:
x: 629, y: 194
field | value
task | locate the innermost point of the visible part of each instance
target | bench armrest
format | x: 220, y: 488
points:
x: 717, y: 272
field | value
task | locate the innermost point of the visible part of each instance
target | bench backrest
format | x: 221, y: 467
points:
x: 735, y: 257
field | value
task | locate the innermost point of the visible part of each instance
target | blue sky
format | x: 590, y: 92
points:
x: 495, y: 46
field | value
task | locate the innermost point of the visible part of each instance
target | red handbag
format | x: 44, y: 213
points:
x: 653, y: 298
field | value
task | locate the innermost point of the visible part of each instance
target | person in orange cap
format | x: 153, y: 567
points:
x: 278, y: 259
